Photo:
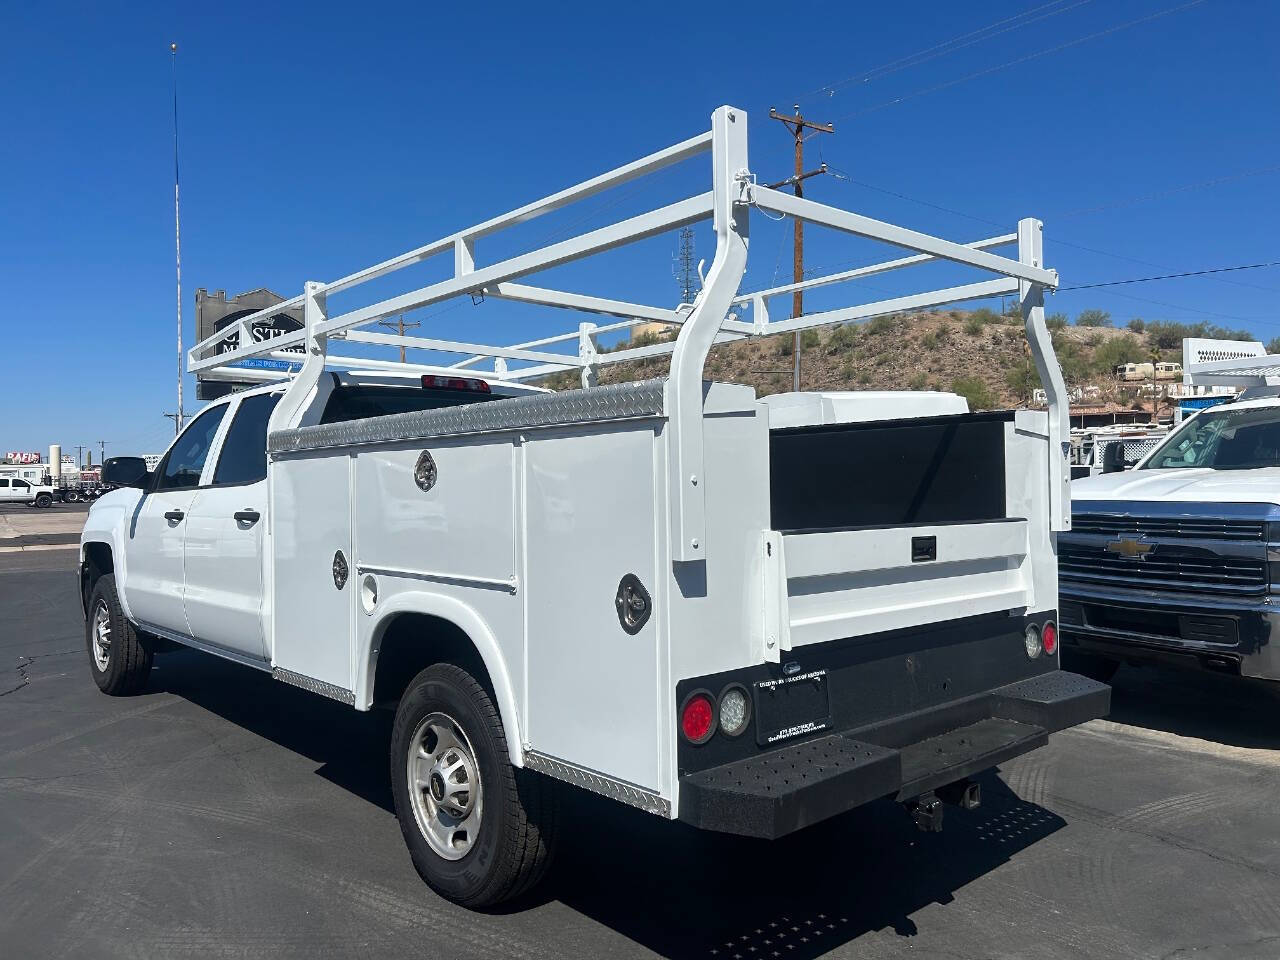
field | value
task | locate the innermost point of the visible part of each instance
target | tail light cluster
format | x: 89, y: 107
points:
x: 1041, y: 639
x: 432, y: 382
x: 703, y: 714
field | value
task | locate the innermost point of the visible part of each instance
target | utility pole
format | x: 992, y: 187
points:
x: 102, y: 451
x: 401, y: 325
x: 177, y: 418
x: 685, y: 272
x: 80, y: 456
x: 177, y: 234
x: 797, y: 125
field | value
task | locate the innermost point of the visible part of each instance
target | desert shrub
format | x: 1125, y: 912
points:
x: 786, y: 345
x: 1055, y: 321
x: 1093, y: 318
x: 973, y: 326
x: 975, y: 391
x: 1137, y: 325
x: 864, y: 377
x: 929, y: 341
x: 883, y: 324
x: 842, y: 338
x: 1118, y: 350
x: 809, y: 339
x: 919, y: 382
x: 1022, y: 379
x: 984, y: 315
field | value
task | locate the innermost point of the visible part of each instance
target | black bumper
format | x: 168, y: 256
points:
x: 776, y: 793
x: 1220, y: 634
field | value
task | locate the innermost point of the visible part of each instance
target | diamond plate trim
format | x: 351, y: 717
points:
x: 597, y: 783
x: 330, y: 690
x: 616, y: 401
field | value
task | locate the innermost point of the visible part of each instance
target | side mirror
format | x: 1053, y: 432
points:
x: 126, y: 472
x: 1113, y: 460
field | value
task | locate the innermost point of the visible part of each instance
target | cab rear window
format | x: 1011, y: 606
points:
x: 361, y: 401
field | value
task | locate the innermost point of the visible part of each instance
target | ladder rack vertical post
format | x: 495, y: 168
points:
x: 587, y: 349
x: 1031, y: 297
x: 684, y: 401
x: 298, y: 395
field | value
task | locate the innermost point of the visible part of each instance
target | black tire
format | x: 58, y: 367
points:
x: 44, y: 500
x: 513, y: 843
x: 128, y: 661
x: 1090, y: 665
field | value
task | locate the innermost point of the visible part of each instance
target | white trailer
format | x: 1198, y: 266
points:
x: 749, y: 615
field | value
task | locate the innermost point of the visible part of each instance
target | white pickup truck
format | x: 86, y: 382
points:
x: 1176, y: 561
x: 750, y: 615
x: 26, y: 487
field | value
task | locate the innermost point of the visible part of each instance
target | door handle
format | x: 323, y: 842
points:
x: 174, y: 515
x: 246, y: 516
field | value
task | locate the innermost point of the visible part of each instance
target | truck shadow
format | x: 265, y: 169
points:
x: 684, y: 893
x: 1191, y: 703
x: 679, y: 892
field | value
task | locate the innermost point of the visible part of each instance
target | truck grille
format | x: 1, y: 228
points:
x: 1168, y: 567
x: 1188, y: 528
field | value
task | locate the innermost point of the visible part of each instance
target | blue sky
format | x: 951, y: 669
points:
x: 317, y: 139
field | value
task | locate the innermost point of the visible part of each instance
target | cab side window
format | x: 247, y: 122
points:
x: 21, y: 485
x: 244, y: 452
x: 185, y: 461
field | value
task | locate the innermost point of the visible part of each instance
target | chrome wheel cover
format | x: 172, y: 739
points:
x: 101, y: 634
x: 444, y: 786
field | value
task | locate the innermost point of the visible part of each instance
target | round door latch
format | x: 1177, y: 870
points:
x: 633, y: 604
x: 340, y: 570
x: 424, y: 471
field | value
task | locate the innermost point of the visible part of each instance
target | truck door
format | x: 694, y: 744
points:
x: 225, y: 536
x: 20, y: 491
x: 155, y: 540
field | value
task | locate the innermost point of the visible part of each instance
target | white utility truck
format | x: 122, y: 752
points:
x: 748, y: 615
x: 1175, y: 561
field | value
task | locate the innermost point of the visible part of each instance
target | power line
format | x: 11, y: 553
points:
x: 842, y: 175
x: 1026, y: 18
x: 1172, y: 191
x: 1172, y: 276
x: 1020, y: 60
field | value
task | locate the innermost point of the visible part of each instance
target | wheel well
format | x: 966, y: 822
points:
x: 97, y: 561
x: 413, y: 641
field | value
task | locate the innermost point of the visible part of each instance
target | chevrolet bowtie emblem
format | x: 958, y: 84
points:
x: 1129, y: 547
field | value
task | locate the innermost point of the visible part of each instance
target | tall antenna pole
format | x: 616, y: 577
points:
x: 177, y: 233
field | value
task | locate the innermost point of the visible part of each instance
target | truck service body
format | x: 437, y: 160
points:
x: 747, y: 614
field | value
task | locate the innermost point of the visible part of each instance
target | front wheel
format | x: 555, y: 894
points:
x: 44, y: 500
x: 479, y: 831
x: 119, y: 662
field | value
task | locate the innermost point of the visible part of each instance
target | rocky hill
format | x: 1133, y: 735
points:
x: 979, y: 354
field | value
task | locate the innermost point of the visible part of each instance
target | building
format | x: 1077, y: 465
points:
x: 216, y: 311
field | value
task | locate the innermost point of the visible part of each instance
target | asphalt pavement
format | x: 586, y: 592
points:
x: 223, y: 814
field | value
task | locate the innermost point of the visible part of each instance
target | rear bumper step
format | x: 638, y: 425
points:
x: 784, y: 790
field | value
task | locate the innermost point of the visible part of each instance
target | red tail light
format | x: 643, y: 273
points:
x: 698, y: 717
x: 1049, y: 637
x: 432, y: 382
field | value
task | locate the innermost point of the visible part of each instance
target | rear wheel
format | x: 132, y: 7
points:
x: 117, y: 658
x: 479, y: 831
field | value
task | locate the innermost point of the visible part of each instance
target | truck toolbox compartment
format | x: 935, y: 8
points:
x: 781, y: 791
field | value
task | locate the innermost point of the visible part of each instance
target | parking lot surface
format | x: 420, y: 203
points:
x: 222, y: 814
